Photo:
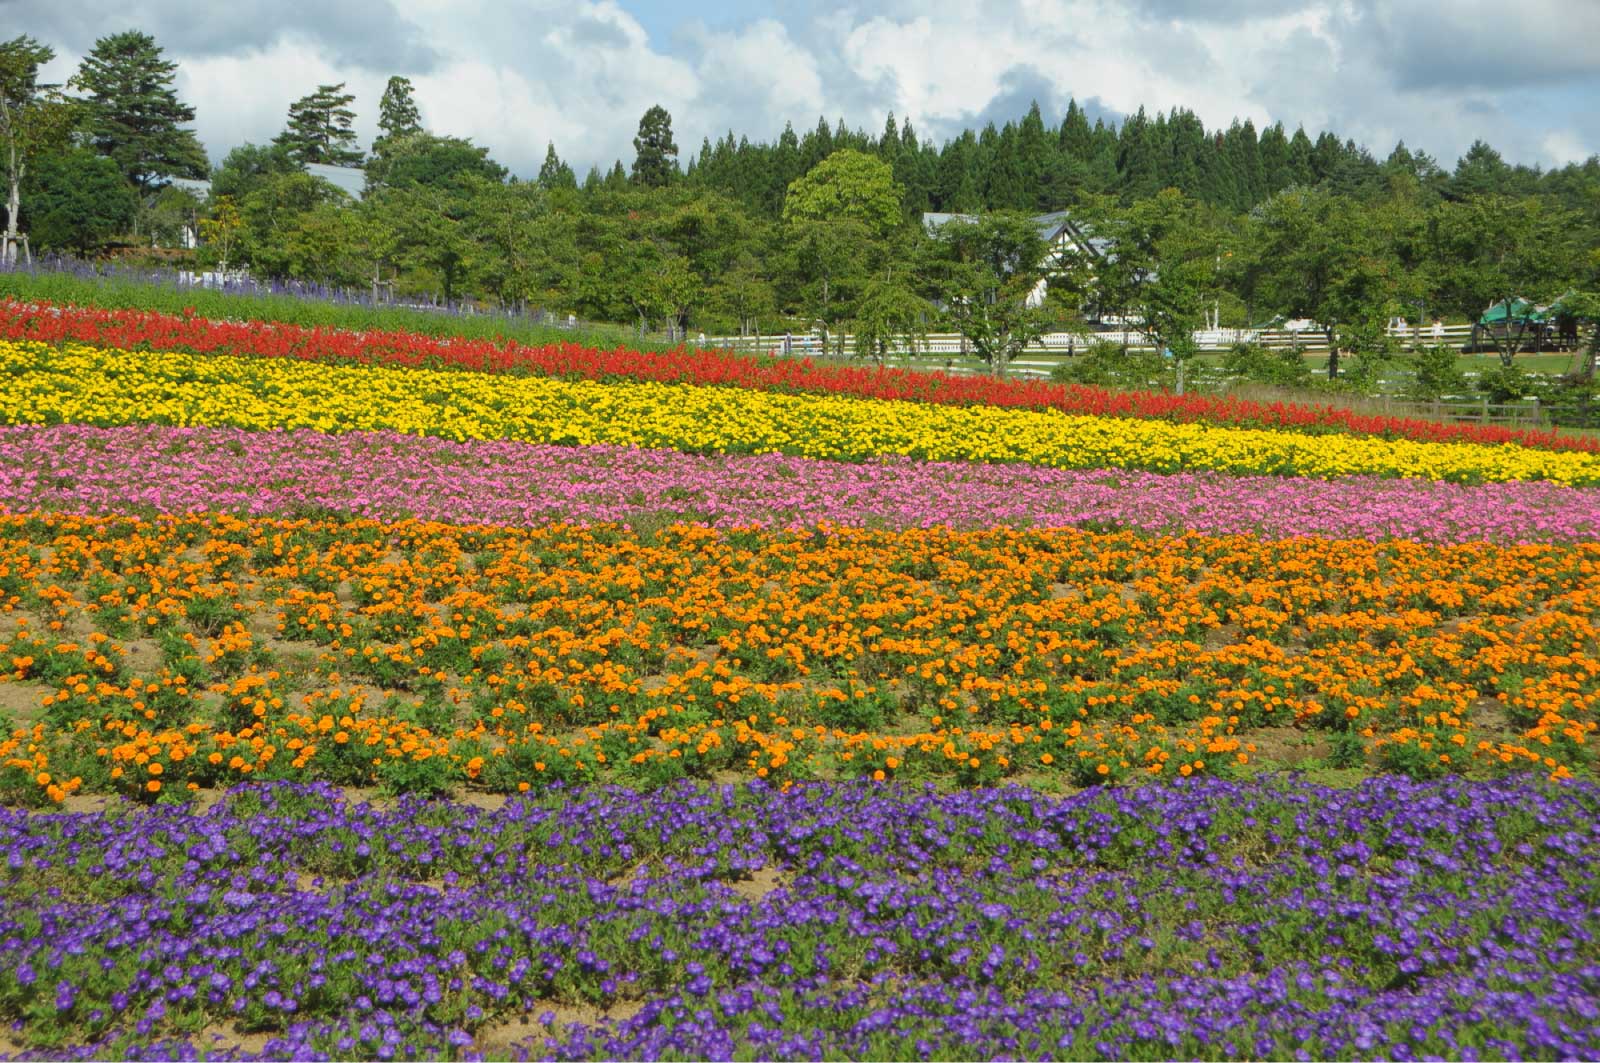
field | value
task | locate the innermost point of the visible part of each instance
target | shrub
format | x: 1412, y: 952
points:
x: 1111, y: 365
x: 1435, y: 373
x: 1264, y: 366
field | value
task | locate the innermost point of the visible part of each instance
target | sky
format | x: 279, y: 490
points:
x: 514, y: 75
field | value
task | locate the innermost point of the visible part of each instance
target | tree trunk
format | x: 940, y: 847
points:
x: 8, y: 249
x: 1333, y: 352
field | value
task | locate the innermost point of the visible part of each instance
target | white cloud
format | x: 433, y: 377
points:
x: 748, y: 78
x: 1565, y: 145
x: 513, y: 74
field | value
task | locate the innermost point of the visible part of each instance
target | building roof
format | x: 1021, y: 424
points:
x: 1051, y: 226
x: 351, y: 180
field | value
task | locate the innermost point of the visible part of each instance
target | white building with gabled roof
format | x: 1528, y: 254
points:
x: 1065, y: 237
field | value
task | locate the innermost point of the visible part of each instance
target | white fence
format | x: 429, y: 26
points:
x: 950, y: 346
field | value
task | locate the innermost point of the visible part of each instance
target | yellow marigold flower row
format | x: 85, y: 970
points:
x: 85, y: 385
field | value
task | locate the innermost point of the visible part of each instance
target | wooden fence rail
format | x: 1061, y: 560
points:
x: 1069, y: 343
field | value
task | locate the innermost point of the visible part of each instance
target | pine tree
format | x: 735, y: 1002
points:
x: 134, y: 114
x: 957, y: 183
x: 1036, y: 159
x: 1325, y: 155
x: 656, y: 161
x: 1139, y: 158
x: 1244, y: 152
x: 1301, y: 171
x: 1006, y: 187
x: 397, y: 113
x: 1275, y: 171
x: 1480, y: 172
x: 1074, y: 136
x: 816, y: 145
x: 319, y: 128
x: 889, y: 143
x: 555, y: 173
x: 787, y: 164
x: 1189, y: 163
x: 617, y: 179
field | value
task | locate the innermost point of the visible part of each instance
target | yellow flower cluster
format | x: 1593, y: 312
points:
x: 87, y: 385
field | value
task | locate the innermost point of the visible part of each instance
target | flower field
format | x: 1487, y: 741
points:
x: 157, y: 469
x: 88, y: 385
x: 1217, y: 920
x: 149, y: 330
x: 441, y: 708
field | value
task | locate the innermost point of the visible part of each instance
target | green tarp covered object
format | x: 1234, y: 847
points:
x: 1514, y: 311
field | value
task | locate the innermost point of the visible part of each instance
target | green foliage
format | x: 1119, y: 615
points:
x: 248, y: 167
x: 172, y: 211
x: 319, y: 128
x: 554, y: 173
x: 398, y: 116
x: 1436, y: 373
x: 1573, y: 401
x: 989, y: 275
x: 134, y: 115
x: 432, y: 161
x: 1505, y: 383
x: 34, y: 121
x: 889, y: 315
x: 1105, y: 364
x: 1164, y: 268
x: 846, y: 185
x: 1286, y: 369
x: 78, y: 202
x: 1314, y: 255
x: 655, y: 162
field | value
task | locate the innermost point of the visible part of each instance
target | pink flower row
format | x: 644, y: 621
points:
x: 178, y: 470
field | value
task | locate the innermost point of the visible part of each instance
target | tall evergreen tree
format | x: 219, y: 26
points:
x: 1243, y: 151
x: 1036, y: 161
x: 1325, y: 155
x: 1274, y: 151
x: 1073, y: 139
x: 1139, y: 158
x: 1006, y: 187
x: 319, y: 128
x: 787, y: 164
x: 1188, y: 162
x: 134, y: 115
x: 554, y: 173
x: 397, y: 113
x: 656, y: 160
x: 889, y: 142
x: 1480, y: 172
x: 1301, y: 169
x: 816, y: 145
x: 617, y: 179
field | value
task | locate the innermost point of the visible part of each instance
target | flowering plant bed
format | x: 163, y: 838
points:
x: 149, y: 330
x: 1207, y: 920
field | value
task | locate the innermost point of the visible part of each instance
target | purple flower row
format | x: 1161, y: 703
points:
x: 386, y: 475
x: 1209, y: 919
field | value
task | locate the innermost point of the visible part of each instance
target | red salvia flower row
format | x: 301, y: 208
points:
x: 135, y: 329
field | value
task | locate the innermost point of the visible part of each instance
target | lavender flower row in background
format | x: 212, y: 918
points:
x: 385, y: 475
